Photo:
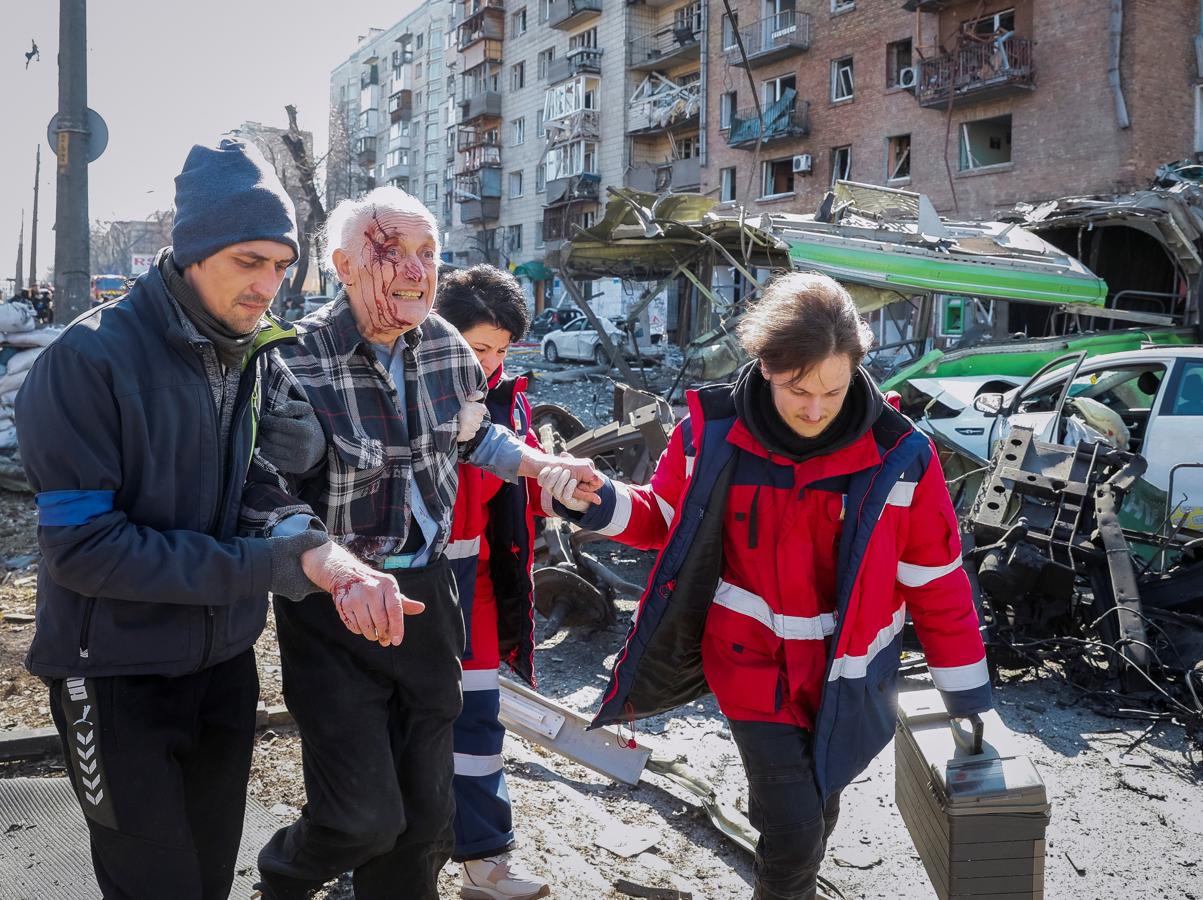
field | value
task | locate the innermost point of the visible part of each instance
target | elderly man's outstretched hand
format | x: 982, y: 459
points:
x: 368, y: 602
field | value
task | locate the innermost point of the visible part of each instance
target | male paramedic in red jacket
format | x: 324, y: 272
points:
x: 799, y: 519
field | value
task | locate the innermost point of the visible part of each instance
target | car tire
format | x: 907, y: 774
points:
x: 550, y: 352
x: 600, y: 356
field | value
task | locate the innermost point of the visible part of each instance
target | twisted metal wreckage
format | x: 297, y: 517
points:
x: 1062, y: 585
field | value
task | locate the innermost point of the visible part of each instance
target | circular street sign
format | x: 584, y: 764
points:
x: 98, y: 137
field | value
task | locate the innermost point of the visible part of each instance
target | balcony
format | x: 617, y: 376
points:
x: 473, y: 8
x: 770, y: 39
x: 561, y: 223
x: 787, y: 118
x: 568, y: 14
x: 582, y: 60
x: 482, y: 185
x: 585, y: 186
x: 675, y: 175
x: 473, y: 212
x: 976, y: 72
x: 479, y: 106
x: 663, y: 47
x: 401, y: 106
x: 365, y: 151
x: 480, y: 28
x: 479, y: 53
x: 479, y: 157
x: 470, y: 138
x: 369, y: 77
x: 664, y: 105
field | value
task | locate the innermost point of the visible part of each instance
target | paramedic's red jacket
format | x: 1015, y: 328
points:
x: 492, y: 544
x: 784, y: 587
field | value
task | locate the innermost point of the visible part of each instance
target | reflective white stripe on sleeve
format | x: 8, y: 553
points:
x: 622, y: 511
x: 665, y: 509
x: 960, y: 678
x: 476, y: 766
x: 463, y: 549
x: 902, y: 493
x: 794, y: 628
x: 858, y: 666
x: 917, y: 576
x: 481, y: 680
x: 689, y: 466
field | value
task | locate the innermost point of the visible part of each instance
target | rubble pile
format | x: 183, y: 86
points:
x: 21, y: 341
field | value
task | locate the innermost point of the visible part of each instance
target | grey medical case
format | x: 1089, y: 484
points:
x: 975, y: 807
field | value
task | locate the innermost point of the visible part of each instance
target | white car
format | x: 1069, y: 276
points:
x: 1157, y: 393
x: 578, y: 340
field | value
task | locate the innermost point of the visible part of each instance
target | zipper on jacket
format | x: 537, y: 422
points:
x: 86, y: 627
x: 209, y: 623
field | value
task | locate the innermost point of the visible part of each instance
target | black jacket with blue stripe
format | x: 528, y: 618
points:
x: 142, y: 568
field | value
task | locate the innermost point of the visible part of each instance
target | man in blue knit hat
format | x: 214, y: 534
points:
x: 137, y: 429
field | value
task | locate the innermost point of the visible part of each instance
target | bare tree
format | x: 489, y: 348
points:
x: 307, y: 173
x: 114, y: 243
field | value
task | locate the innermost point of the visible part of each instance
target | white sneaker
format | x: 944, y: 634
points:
x: 500, y: 878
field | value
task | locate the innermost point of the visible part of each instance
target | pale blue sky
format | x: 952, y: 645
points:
x: 164, y: 75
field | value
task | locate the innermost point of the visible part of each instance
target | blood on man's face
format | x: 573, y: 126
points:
x: 390, y: 272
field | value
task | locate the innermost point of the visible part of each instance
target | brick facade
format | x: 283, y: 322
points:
x: 1064, y: 136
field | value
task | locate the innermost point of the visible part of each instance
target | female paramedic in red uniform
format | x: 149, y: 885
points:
x: 799, y: 519
x: 492, y: 533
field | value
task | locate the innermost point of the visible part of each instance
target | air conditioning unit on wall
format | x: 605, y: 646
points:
x: 907, y: 76
x: 802, y: 163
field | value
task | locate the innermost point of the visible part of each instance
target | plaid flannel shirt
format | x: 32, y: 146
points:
x: 362, y: 492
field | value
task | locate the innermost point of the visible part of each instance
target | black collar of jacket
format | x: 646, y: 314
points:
x: 344, y: 332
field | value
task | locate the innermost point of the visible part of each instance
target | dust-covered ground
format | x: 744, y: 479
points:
x: 1121, y: 827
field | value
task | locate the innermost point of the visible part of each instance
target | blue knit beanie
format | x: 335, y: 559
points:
x: 226, y: 196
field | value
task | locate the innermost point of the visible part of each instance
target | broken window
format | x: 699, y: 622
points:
x: 841, y: 164
x: 726, y: 183
x: 545, y: 58
x: 729, y: 27
x: 586, y: 39
x: 838, y: 6
x: 518, y: 22
x: 688, y: 17
x: 775, y: 88
x: 777, y: 178
x: 518, y: 131
x: 574, y: 158
x: 513, y: 238
x: 841, y: 79
x: 995, y: 23
x: 515, y: 185
x: 518, y: 76
x: 540, y: 180
x: 898, y: 157
x: 898, y: 64
x: 726, y: 109
x: 986, y: 142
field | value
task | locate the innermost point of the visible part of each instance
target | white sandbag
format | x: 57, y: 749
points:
x: 22, y: 361
x: 8, y: 438
x: 10, y: 384
x: 42, y: 337
x: 16, y: 315
x: 8, y: 398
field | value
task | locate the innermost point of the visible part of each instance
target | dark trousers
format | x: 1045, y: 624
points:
x: 785, y: 806
x: 160, y: 768
x: 376, y: 740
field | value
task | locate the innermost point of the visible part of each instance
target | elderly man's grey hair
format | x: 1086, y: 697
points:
x: 352, y: 219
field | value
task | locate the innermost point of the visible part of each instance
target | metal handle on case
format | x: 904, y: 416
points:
x: 971, y: 745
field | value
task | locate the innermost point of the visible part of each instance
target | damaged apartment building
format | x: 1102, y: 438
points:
x: 540, y: 106
x: 978, y: 104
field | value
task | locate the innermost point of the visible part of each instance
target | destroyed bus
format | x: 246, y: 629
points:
x: 960, y: 309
